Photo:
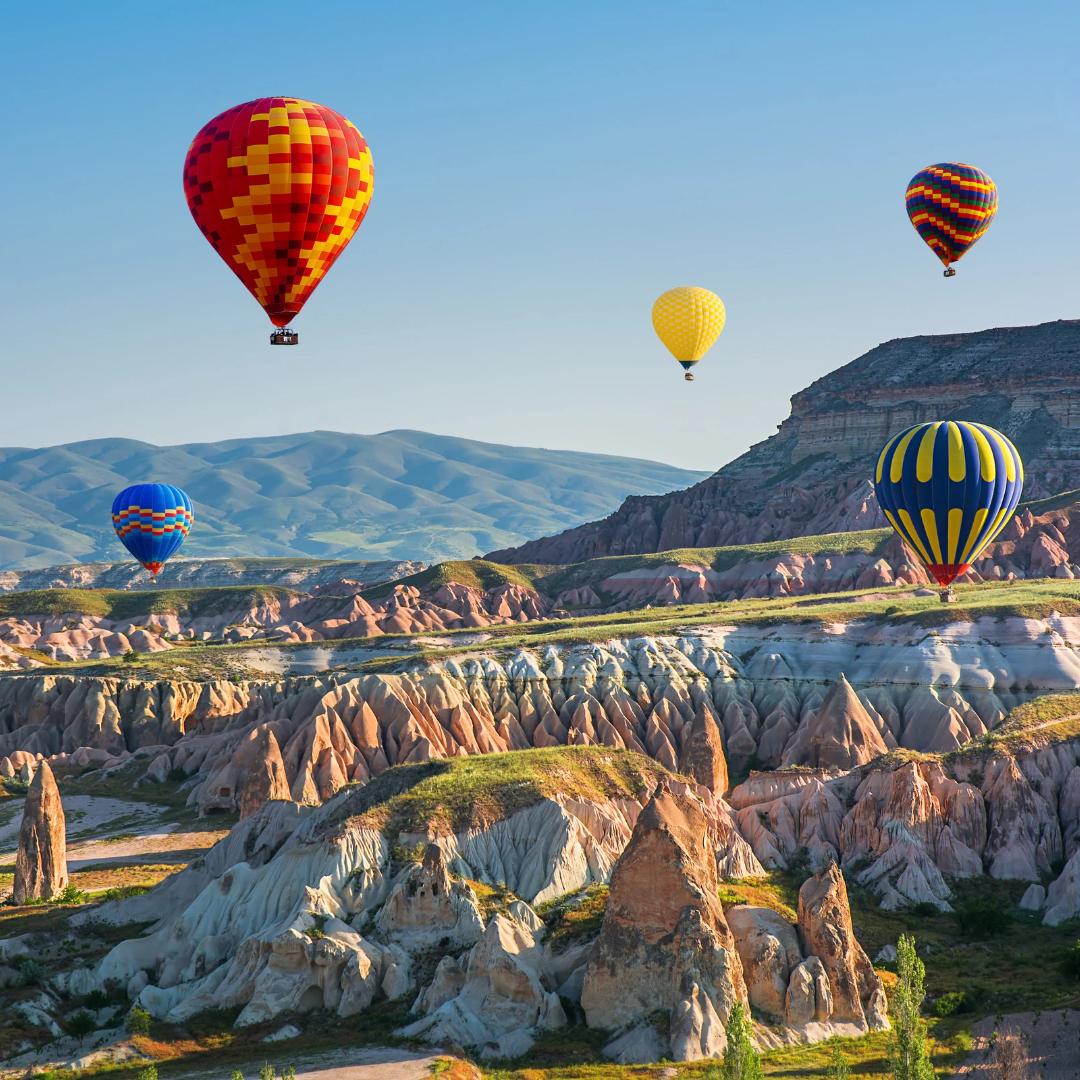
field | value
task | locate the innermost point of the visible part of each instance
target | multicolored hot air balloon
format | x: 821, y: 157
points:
x: 688, y: 320
x: 948, y: 488
x: 152, y: 521
x: 279, y: 186
x: 951, y: 206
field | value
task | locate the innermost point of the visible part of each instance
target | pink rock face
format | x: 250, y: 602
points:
x: 41, y: 861
x: 841, y: 733
x: 664, y: 944
x: 825, y: 926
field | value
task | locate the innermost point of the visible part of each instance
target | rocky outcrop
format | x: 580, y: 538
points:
x: 840, y: 733
x: 261, y: 773
x: 813, y: 475
x: 767, y: 692
x: 857, y: 994
x: 41, y: 862
x: 664, y: 945
x: 494, y: 1000
x: 184, y: 573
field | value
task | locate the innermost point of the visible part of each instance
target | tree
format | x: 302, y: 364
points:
x: 908, y: 1054
x: 1009, y: 1056
x: 838, y: 1066
x: 741, y: 1062
x: 138, y: 1021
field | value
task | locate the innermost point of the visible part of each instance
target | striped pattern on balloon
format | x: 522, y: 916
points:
x: 152, y: 521
x: 948, y: 488
x: 951, y: 205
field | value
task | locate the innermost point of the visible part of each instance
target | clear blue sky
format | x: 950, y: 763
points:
x: 543, y: 171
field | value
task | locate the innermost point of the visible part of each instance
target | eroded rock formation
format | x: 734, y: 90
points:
x: 41, y: 861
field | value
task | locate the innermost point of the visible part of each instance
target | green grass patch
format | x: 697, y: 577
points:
x: 575, y: 916
x: 476, y: 573
x: 456, y: 793
x: 119, y: 604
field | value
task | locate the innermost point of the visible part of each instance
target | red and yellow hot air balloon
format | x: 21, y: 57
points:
x: 279, y: 186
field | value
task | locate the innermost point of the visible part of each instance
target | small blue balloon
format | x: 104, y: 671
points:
x: 152, y: 521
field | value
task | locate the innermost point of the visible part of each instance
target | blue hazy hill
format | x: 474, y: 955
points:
x: 398, y: 494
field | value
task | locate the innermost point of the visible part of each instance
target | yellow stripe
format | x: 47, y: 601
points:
x: 924, y: 467
x: 1000, y: 522
x: 956, y: 516
x: 987, y: 465
x: 957, y: 464
x: 976, y: 528
x: 881, y: 458
x: 896, y: 467
x: 930, y: 525
x: 1003, y: 445
x: 909, y: 533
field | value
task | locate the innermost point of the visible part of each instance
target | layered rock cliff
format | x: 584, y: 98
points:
x: 813, y: 475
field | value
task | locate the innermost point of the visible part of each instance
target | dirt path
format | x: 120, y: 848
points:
x: 375, y: 1063
x: 1053, y: 1039
x: 138, y: 830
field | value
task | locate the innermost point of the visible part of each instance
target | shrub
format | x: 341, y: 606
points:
x: 149, y: 1073
x: 82, y: 1023
x: 1070, y: 963
x: 176, y: 775
x: 288, y: 1073
x: 950, y: 1003
x: 980, y: 919
x: 962, y: 1043
x: 925, y: 909
x: 138, y: 1022
x: 237, y: 1075
x: 72, y: 894
x: 96, y: 999
x: 267, y: 1071
x: 30, y: 970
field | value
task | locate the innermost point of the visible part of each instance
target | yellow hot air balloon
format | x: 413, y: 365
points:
x: 688, y: 320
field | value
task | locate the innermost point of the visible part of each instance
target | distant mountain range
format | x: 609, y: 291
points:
x: 813, y: 475
x: 323, y: 494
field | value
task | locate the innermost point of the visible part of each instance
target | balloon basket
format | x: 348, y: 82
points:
x: 950, y: 272
x: 285, y: 337
x: 948, y: 596
x: 689, y: 377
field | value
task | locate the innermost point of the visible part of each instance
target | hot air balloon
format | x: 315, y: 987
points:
x: 688, y: 320
x: 951, y: 206
x: 948, y: 488
x: 279, y: 186
x: 152, y: 521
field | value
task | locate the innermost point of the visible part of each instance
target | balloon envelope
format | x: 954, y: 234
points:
x: 688, y: 320
x: 152, y: 521
x: 951, y: 205
x: 948, y: 488
x: 279, y: 186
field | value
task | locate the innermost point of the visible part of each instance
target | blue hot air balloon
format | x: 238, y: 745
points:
x: 948, y: 488
x: 152, y: 521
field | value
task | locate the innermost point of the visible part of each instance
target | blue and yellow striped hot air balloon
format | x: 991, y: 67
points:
x: 152, y: 521
x: 948, y: 488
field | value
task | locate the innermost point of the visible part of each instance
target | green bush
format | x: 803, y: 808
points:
x: 72, y: 894
x: 925, y: 909
x: 980, y: 919
x: 950, y: 1003
x: 138, y: 1022
x: 1070, y: 963
x: 149, y: 1073
x: 962, y: 1043
x: 96, y: 999
x: 82, y: 1023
